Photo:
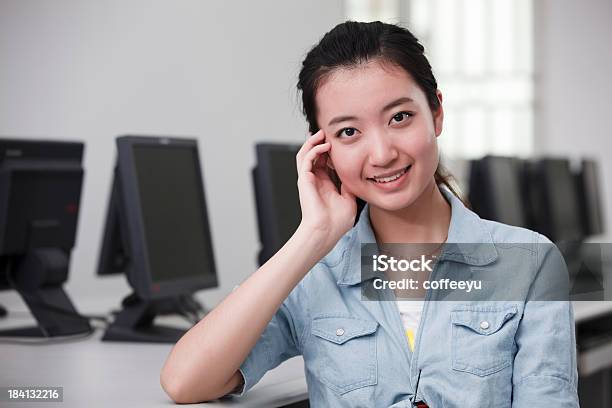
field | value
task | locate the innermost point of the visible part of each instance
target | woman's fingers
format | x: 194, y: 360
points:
x: 308, y: 144
x: 312, y: 155
x: 322, y: 161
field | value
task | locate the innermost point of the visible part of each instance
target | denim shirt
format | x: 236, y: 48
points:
x: 356, y: 353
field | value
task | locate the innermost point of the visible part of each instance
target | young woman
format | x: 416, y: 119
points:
x: 375, y: 114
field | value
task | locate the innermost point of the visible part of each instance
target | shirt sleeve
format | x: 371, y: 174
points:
x: 277, y: 343
x: 545, y: 372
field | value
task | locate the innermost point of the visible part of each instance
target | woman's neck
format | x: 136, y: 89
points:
x: 424, y: 221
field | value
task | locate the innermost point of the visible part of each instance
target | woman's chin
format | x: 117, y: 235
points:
x: 391, y: 204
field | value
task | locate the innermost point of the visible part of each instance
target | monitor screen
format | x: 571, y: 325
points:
x: 283, y: 179
x: 277, y: 197
x: 175, y: 231
x: 157, y: 227
x: 562, y: 201
x: 504, y: 183
x: 591, y: 197
x: 495, y: 190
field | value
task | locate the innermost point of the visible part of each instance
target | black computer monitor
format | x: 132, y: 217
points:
x: 554, y: 200
x: 276, y: 195
x: 40, y: 191
x: 156, y: 232
x: 495, y: 191
x: 589, y: 196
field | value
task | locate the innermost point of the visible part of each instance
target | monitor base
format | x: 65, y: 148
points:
x: 33, y: 331
x: 134, y: 322
x: 54, y: 312
x: 147, y: 334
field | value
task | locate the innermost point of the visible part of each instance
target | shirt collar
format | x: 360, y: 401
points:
x: 465, y: 228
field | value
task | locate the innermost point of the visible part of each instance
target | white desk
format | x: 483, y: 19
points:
x: 108, y: 374
x: 584, y: 310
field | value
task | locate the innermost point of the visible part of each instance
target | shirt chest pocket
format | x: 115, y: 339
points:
x: 483, y: 338
x: 343, y: 352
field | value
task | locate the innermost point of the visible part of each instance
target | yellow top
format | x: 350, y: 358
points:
x: 410, y: 336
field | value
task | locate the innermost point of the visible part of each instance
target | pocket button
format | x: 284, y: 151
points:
x: 484, y: 325
x: 339, y: 332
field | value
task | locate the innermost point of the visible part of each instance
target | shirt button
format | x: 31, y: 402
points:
x: 484, y: 325
x: 339, y: 332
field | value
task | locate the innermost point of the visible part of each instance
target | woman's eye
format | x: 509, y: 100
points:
x: 400, y: 116
x: 347, y: 132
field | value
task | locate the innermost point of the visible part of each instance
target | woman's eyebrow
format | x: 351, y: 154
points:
x: 390, y: 105
x: 399, y: 101
x: 339, y: 119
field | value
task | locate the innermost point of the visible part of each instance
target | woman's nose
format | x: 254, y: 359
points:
x: 382, y: 149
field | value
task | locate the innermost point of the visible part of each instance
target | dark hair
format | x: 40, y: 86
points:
x: 353, y: 43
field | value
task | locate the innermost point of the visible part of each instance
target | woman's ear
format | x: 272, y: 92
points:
x: 438, y: 115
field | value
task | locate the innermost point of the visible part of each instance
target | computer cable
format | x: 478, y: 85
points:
x: 48, y: 340
x: 186, y: 312
x: 190, y: 308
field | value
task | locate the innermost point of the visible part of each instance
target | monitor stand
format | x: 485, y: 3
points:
x: 38, y: 278
x: 134, y: 322
x: 54, y: 313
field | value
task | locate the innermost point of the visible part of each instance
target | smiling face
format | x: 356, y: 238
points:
x: 382, y: 132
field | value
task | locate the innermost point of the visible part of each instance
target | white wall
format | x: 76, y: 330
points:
x: 574, y: 84
x: 221, y: 71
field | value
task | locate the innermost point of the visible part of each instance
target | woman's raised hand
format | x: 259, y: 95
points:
x: 324, y: 210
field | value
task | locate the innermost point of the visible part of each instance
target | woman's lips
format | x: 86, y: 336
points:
x: 391, y: 185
